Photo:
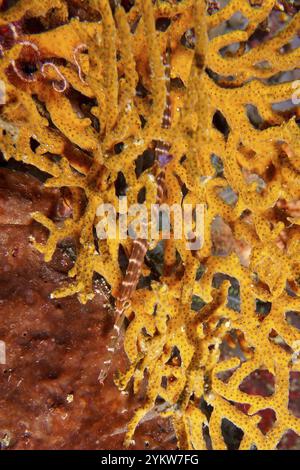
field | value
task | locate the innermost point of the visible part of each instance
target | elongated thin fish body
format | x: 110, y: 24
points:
x: 140, y: 245
x: 114, y: 344
x: 162, y: 149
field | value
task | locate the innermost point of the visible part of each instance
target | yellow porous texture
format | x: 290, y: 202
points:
x: 93, y: 104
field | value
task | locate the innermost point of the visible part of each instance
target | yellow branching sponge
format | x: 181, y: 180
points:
x: 84, y: 99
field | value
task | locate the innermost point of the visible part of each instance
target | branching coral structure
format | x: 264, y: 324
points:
x: 83, y: 101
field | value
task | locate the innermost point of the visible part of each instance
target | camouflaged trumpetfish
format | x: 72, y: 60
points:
x: 140, y: 245
x: 232, y: 81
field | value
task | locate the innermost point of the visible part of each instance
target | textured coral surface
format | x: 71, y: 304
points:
x: 212, y: 340
x: 49, y: 393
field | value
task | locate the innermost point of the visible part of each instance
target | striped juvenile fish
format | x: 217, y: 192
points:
x: 140, y: 245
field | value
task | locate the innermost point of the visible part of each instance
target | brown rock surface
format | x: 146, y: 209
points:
x: 49, y: 394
